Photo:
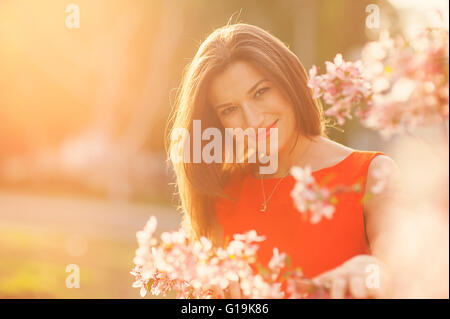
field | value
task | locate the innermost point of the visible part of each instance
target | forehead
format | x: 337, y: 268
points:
x: 233, y: 82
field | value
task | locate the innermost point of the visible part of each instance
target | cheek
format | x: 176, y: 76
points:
x: 288, y: 128
x: 231, y: 121
x: 290, y: 125
x: 281, y: 106
x: 225, y: 123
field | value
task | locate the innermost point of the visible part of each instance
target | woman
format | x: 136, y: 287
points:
x: 243, y: 77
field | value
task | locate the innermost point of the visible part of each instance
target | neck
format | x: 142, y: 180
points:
x: 290, y: 155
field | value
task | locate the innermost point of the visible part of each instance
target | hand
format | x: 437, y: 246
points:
x: 232, y: 292
x: 360, y: 277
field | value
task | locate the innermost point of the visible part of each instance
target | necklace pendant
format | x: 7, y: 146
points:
x: 263, y: 207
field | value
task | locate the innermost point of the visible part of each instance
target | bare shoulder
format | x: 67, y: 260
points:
x: 383, y: 162
x: 332, y: 151
x: 383, y: 188
x: 382, y: 170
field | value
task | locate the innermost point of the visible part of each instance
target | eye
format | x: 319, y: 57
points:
x: 261, y: 91
x: 227, y: 110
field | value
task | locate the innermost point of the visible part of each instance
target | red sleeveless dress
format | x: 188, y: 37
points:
x: 315, y: 248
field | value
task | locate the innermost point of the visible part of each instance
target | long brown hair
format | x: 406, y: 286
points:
x: 199, y: 184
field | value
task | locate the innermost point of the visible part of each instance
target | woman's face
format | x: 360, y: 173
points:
x: 243, y: 97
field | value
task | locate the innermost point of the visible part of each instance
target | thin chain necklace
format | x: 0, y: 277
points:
x: 266, y: 201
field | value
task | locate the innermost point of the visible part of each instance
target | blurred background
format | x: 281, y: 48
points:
x: 83, y: 111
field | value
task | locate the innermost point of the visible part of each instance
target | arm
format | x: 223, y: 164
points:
x: 378, y: 212
x: 353, y: 275
x: 379, y: 204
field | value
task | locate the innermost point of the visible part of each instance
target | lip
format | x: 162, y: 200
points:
x: 268, y: 131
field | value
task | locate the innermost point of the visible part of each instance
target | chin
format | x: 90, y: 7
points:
x: 285, y: 145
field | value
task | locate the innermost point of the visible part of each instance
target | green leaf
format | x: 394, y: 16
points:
x: 334, y: 200
x: 366, y: 197
x: 288, y: 261
x: 285, y: 275
x: 262, y: 270
x: 357, y: 187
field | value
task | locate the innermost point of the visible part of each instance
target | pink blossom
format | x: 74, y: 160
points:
x: 382, y: 176
x: 343, y: 87
x: 193, y: 269
x: 410, y: 80
x: 297, y: 287
x: 277, y: 263
x: 309, y: 197
x: 397, y: 86
x: 249, y: 237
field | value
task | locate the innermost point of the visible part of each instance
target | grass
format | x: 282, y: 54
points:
x: 33, y: 265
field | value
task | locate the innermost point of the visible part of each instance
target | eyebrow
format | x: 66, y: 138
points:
x: 248, y: 92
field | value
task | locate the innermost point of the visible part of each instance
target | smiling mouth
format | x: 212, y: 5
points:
x: 267, y: 131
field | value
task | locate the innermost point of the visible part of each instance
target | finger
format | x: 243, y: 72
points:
x: 326, y: 278
x: 338, y: 288
x: 323, y: 279
x: 235, y: 290
x: 358, y: 287
x: 373, y: 292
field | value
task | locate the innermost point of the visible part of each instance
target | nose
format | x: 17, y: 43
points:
x: 253, y: 117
